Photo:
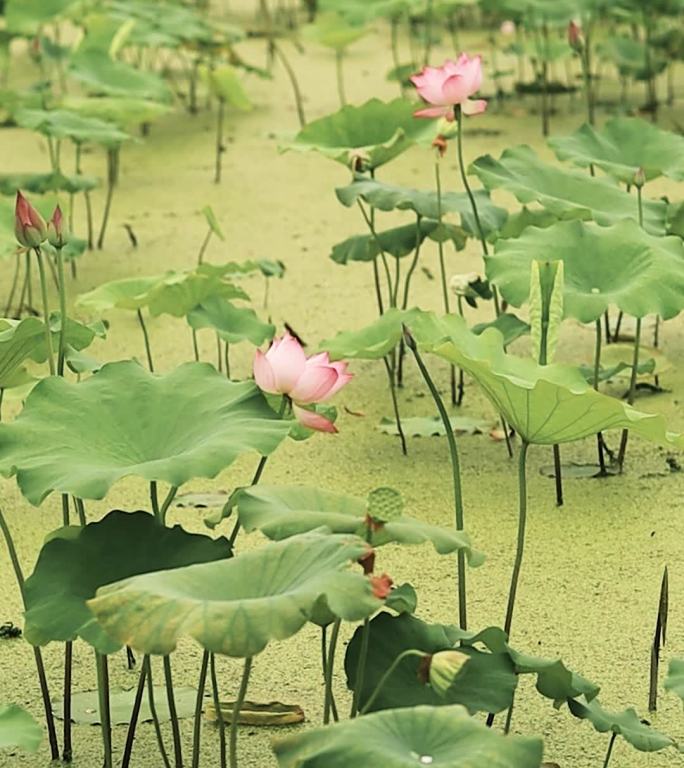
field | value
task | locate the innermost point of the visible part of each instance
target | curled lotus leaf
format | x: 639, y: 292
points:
x: 443, y: 736
x: 620, y: 266
x: 81, y: 438
x: 237, y: 607
x: 232, y: 324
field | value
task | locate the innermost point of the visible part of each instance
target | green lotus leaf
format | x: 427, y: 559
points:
x: 44, y: 183
x: 75, y: 563
x: 103, y: 75
x: 388, y: 197
x: 518, y: 222
x: 444, y: 736
x: 510, y: 326
x: 567, y: 193
x: 630, y: 57
x: 627, y: 724
x: 18, y: 729
x: 620, y: 266
x: 364, y: 11
x: 486, y: 683
x: 26, y: 17
x: 621, y: 147
x: 372, y: 342
x: 283, y: 511
x: 213, y: 222
x: 65, y: 124
x: 236, y: 607
x: 398, y: 242
x: 122, y: 110
x: 127, y: 293
x: 224, y: 82
x: 233, y: 324
x: 78, y: 337
x: 333, y: 31
x: 364, y: 137
x: 546, y: 404
x: 177, y: 293
x: 82, y: 438
x: 675, y: 678
x: 537, y: 12
x: 18, y: 341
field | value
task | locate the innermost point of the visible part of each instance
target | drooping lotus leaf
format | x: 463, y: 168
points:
x: 177, y: 293
x: 103, y: 75
x: 442, y: 736
x: 224, y: 82
x: 627, y: 724
x: 233, y: 324
x: 364, y: 137
x: 619, y: 266
x: 283, y: 511
x: 18, y: 729
x: 486, y: 683
x: 567, y: 193
x: 17, y: 342
x: 78, y: 336
x: 236, y: 607
x: 398, y: 242
x: 388, y: 197
x: 65, y: 124
x: 547, y: 404
x: 526, y: 217
x: 510, y: 326
x: 82, y: 438
x: 621, y: 147
x: 76, y: 562
x: 122, y: 110
x: 370, y: 343
x: 44, y: 183
x: 127, y: 293
x: 675, y: 678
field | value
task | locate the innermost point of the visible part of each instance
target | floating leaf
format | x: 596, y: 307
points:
x: 623, y: 146
x: 364, y: 137
x: 620, y: 266
x: 568, y: 194
x: 82, y: 438
x: 432, y: 426
x: 75, y: 562
x: 395, y: 739
x: 236, y: 607
x: 233, y: 324
x: 281, y: 512
x: 18, y: 729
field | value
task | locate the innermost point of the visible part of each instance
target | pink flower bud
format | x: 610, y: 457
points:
x: 56, y: 229
x: 381, y: 585
x: 639, y: 178
x: 30, y: 228
x: 575, y: 39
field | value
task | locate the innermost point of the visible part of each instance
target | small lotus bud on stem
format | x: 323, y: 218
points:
x: 575, y: 38
x: 440, y: 144
x: 30, y: 228
x: 56, y: 229
x: 367, y: 561
x: 442, y: 669
x: 639, y: 178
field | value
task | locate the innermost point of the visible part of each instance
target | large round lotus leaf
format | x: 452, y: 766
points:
x: 179, y: 292
x: 124, y: 111
x: 387, y: 197
x: 280, y: 512
x: 65, y: 124
x: 44, y: 183
x: 18, y: 340
x: 567, y: 193
x: 630, y: 56
x: 127, y: 293
x: 18, y: 729
x: 236, y: 607
x: 82, y: 438
x: 101, y: 74
x: 622, y: 146
x: 76, y: 562
x: 620, y: 266
x: 546, y: 404
x: 233, y: 324
x: 364, y: 137
x: 444, y: 737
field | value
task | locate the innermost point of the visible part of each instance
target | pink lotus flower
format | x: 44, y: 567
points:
x: 30, y: 228
x: 286, y: 370
x: 450, y: 86
x: 381, y: 586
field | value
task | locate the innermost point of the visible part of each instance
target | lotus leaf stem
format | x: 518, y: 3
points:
x: 146, y: 338
x: 632, y: 392
x: 237, y: 707
x: 104, y: 708
x: 147, y: 664
x: 135, y: 716
x: 329, y: 668
x: 46, y: 310
x: 219, y: 713
x: 522, y: 525
x: 173, y: 713
x: 197, y: 722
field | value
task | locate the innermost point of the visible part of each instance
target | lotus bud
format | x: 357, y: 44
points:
x: 461, y: 284
x: 440, y: 144
x: 508, y: 28
x: 575, y: 39
x: 444, y: 668
x: 381, y: 586
x: 56, y: 229
x: 639, y: 178
x: 367, y: 561
x: 30, y: 228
